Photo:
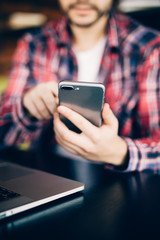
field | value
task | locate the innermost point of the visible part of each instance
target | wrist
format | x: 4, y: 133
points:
x: 121, y: 155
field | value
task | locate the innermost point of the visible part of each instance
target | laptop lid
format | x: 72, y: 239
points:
x: 22, y: 188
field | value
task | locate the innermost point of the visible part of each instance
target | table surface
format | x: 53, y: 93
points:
x: 113, y: 205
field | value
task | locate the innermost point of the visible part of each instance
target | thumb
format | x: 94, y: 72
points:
x: 108, y: 116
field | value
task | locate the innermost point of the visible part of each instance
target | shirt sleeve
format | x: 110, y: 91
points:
x: 144, y: 152
x: 16, y: 126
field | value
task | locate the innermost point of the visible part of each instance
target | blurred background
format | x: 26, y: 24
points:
x: 17, y: 17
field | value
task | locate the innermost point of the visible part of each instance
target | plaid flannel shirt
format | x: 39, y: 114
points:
x: 130, y: 71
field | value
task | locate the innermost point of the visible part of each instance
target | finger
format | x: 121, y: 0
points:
x: 79, y: 143
x: 83, y: 124
x: 108, y: 116
x: 65, y: 145
x: 63, y: 136
x: 50, y: 102
x: 41, y: 108
x: 34, y: 112
x: 62, y: 129
x: 53, y: 87
x: 71, y: 147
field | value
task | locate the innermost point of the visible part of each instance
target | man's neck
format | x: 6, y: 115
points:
x: 86, y: 38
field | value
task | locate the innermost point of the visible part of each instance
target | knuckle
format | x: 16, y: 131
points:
x: 50, y: 105
x: 63, y: 136
x: 79, y: 121
x: 48, y: 100
x: 39, y: 117
x: 95, y: 137
x: 34, y: 113
x: 41, y: 108
x: 57, y: 138
x: 47, y: 116
x: 88, y: 149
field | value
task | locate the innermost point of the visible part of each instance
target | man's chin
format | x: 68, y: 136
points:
x: 82, y: 25
x: 88, y: 24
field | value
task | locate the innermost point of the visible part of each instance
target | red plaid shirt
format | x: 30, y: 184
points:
x: 130, y: 70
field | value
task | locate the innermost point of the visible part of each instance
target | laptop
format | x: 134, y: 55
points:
x: 22, y: 188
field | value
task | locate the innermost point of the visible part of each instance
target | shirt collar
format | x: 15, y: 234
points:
x: 112, y: 32
x: 64, y: 33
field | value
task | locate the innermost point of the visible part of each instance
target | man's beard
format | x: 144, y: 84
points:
x: 99, y: 14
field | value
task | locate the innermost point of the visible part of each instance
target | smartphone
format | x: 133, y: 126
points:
x: 85, y: 98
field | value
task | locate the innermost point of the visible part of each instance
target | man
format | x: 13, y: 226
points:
x: 91, y: 43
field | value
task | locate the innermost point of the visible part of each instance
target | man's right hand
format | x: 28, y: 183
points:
x: 41, y: 101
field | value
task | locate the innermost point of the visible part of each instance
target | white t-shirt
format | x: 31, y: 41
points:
x: 89, y: 61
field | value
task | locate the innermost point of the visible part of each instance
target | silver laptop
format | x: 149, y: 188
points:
x: 22, y: 188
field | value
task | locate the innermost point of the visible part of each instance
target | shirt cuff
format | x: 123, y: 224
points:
x: 23, y: 119
x: 133, y: 163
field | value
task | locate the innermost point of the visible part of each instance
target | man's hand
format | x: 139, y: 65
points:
x: 94, y: 143
x: 41, y: 101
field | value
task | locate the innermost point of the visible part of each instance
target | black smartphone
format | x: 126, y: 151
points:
x: 85, y: 98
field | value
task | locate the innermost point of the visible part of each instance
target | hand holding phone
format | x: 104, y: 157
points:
x: 86, y: 98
